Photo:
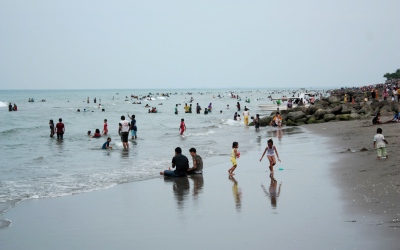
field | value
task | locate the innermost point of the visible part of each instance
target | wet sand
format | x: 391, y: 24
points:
x: 309, y: 211
x: 370, y: 188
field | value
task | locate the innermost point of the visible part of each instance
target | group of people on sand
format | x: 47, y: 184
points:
x: 181, y: 164
x: 270, y: 150
x: 12, y: 108
x: 377, y: 119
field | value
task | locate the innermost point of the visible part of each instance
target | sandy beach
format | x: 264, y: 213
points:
x: 369, y: 187
x: 347, y: 201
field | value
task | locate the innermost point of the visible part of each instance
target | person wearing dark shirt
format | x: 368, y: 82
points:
x: 180, y: 163
x: 60, y: 129
x: 106, y: 145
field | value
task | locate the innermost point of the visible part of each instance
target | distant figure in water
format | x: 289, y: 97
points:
x: 235, y: 116
x: 182, y: 126
x: 15, y: 107
x: 51, y: 123
x: 106, y: 145
x: 88, y: 100
x: 206, y: 111
x: 97, y: 133
x: 10, y: 107
x: 60, y: 129
x: 105, y: 127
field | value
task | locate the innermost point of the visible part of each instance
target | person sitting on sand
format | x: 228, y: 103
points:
x: 377, y: 119
x: 106, y: 145
x: 181, y: 163
x: 197, y: 163
x: 396, y: 118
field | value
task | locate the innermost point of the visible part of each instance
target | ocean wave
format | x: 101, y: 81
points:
x: 232, y: 122
x: 3, y: 104
x: 209, y: 132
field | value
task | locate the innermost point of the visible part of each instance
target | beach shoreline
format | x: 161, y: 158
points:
x: 369, y: 187
x: 123, y: 212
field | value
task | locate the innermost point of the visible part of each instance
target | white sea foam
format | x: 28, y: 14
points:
x: 3, y: 104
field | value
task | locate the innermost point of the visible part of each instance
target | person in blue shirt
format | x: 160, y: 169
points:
x: 106, y: 145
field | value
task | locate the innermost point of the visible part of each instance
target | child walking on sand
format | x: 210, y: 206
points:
x: 271, y: 150
x: 379, y: 144
x: 182, y: 127
x: 234, y: 154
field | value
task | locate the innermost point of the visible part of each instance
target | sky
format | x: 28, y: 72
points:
x: 128, y: 44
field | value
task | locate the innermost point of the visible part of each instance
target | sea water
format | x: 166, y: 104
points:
x: 34, y: 165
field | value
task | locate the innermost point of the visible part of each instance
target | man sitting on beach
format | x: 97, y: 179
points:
x: 181, y: 163
x: 197, y: 163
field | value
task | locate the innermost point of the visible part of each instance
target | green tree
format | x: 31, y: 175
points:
x: 395, y: 75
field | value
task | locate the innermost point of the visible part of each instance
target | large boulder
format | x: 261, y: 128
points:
x: 265, y: 121
x: 366, y: 109
x: 343, y: 117
x: 319, y: 114
x: 354, y: 116
x: 294, y: 116
x: 322, y: 103
x: 311, y: 120
x: 313, y: 108
x: 329, y: 117
x: 376, y: 104
x: 337, y: 110
x: 334, y: 99
x: 345, y: 109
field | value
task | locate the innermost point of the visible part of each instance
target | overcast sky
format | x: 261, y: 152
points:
x: 197, y: 44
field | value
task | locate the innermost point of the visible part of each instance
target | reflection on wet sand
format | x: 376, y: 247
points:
x: 198, y: 183
x: 180, y: 188
x: 237, y: 193
x: 125, y: 153
x: 273, y: 194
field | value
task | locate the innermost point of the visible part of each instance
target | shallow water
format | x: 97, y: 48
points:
x: 37, y: 166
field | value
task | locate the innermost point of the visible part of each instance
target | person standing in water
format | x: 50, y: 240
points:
x: 238, y: 106
x: 182, y: 126
x: 271, y: 150
x: 133, y: 127
x: 10, y: 107
x: 123, y: 131
x: 234, y: 154
x: 105, y: 127
x: 176, y: 109
x: 51, y: 123
x: 256, y: 122
x: 60, y: 129
x: 246, y: 115
x: 198, y: 108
